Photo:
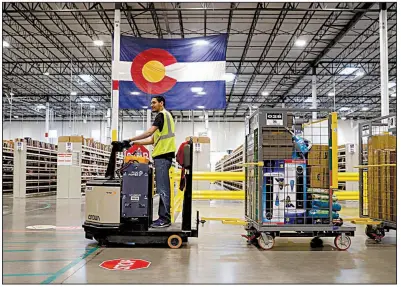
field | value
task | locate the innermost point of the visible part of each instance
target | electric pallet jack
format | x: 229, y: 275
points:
x: 119, y: 210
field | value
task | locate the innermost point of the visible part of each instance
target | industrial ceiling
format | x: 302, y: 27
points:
x: 49, y: 54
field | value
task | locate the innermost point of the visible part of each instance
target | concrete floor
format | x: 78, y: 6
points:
x: 220, y: 255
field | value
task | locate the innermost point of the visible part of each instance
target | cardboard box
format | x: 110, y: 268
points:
x: 279, y: 152
x: 319, y: 155
x: 77, y: 139
x: 284, y: 190
x: 276, y: 136
x: 199, y: 139
x: 63, y: 139
x: 319, y: 177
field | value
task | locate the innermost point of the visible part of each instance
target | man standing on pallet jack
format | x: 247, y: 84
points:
x: 163, y: 140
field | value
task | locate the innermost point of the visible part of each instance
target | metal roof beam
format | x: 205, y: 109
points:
x: 247, y: 43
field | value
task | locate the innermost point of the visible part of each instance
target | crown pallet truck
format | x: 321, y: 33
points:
x: 120, y: 210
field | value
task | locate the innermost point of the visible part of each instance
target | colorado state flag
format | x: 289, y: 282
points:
x: 189, y: 73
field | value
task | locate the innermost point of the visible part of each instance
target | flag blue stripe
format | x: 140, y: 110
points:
x: 180, y: 97
x: 184, y: 50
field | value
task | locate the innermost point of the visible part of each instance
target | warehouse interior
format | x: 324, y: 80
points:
x: 328, y: 69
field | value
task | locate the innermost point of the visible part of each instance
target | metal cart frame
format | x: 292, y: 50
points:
x: 264, y: 233
x: 376, y: 227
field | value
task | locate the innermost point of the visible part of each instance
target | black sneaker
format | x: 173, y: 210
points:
x: 160, y: 223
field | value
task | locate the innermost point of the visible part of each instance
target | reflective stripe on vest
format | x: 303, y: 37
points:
x: 170, y: 133
x: 166, y: 135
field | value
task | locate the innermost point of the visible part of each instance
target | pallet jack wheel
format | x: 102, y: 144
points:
x: 101, y: 241
x: 266, y: 241
x: 342, y: 242
x: 174, y: 241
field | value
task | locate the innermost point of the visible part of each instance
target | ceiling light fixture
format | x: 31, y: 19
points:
x: 144, y: 107
x: 201, y: 93
x: 254, y: 107
x: 265, y: 93
x: 365, y: 109
x: 331, y: 94
x: 343, y: 118
x: 40, y: 107
x: 200, y: 107
x: 15, y: 117
x: 348, y: 71
x: 360, y: 73
x: 344, y: 109
x: 300, y: 43
x: 86, y: 78
x: 6, y: 44
x: 98, y: 43
x: 135, y: 93
x: 86, y: 99
x: 73, y: 93
x: 46, y: 73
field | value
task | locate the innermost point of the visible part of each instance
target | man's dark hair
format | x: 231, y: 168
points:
x: 161, y: 99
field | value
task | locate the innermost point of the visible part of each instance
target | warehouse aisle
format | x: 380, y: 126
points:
x: 53, y: 250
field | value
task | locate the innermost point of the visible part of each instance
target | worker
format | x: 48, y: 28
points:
x: 161, y: 135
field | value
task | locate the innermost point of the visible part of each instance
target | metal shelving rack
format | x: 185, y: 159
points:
x: 8, y: 166
x: 342, y: 165
x: 232, y: 163
x: 94, y: 162
x: 81, y: 160
x: 347, y: 162
x: 35, y: 168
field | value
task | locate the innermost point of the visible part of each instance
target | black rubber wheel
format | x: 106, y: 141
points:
x: 369, y: 231
x: 316, y: 242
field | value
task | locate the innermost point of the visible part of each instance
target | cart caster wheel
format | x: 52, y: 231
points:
x: 316, y: 242
x: 102, y: 241
x: 174, y: 241
x: 342, y: 242
x: 266, y: 243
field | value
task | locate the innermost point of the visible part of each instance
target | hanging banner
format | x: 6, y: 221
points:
x: 189, y: 73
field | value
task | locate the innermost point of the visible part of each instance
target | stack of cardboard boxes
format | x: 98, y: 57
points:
x: 318, y: 166
x: 277, y: 142
x: 382, y: 178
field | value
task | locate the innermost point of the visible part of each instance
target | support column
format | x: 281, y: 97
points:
x: 193, y: 122
x: 148, y: 118
x: 206, y: 120
x: 314, y: 93
x: 114, y: 74
x: 47, y: 123
x: 385, y: 109
x: 108, y: 129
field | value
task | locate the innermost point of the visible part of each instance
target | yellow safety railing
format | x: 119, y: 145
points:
x: 177, y: 195
x: 240, y: 176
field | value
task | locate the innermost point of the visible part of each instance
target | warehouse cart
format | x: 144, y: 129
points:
x: 378, y: 176
x: 290, y: 176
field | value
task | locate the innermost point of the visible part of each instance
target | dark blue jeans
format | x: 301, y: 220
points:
x: 163, y: 187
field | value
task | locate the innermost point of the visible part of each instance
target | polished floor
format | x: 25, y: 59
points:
x: 43, y: 242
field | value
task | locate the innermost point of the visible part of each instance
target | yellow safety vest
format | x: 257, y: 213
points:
x: 164, y: 141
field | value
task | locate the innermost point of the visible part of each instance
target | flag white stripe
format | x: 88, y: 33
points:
x: 182, y: 72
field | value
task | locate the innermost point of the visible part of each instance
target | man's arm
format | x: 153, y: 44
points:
x: 145, y: 135
x: 145, y: 142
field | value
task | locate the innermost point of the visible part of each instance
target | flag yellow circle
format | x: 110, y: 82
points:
x: 153, y: 71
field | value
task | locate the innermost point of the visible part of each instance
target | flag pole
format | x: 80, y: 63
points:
x: 114, y: 74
